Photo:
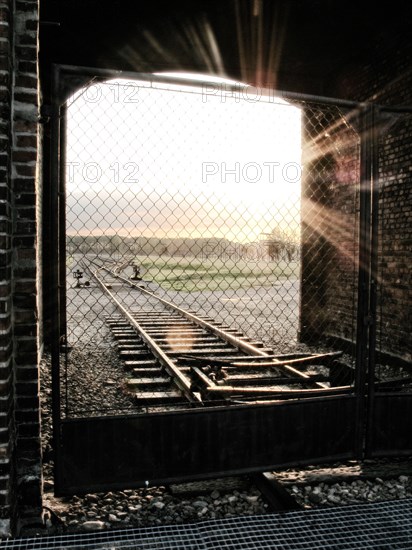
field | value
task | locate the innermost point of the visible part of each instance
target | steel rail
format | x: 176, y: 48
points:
x: 229, y: 338
x: 179, y: 378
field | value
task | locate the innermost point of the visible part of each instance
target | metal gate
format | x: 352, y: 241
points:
x: 298, y: 270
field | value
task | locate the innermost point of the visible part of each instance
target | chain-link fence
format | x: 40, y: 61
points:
x: 199, y: 191
x: 225, y: 200
x: 280, y: 226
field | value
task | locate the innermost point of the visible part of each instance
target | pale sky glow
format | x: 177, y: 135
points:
x: 178, y: 161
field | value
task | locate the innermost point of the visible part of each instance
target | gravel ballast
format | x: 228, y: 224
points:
x: 95, y: 370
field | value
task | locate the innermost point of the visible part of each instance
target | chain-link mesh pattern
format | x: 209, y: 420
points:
x: 330, y: 219
x: 240, y: 207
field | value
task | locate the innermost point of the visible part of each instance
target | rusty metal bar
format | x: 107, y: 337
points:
x: 54, y: 275
x: 363, y: 318
x: 209, y: 387
x: 282, y: 394
x: 304, y: 361
x: 374, y: 260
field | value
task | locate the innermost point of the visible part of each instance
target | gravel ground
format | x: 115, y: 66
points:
x: 94, y: 370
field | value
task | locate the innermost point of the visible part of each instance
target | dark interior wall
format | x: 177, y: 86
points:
x: 395, y: 234
x: 6, y: 339
x: 308, y: 46
x: 20, y: 461
x: 385, y: 79
x: 311, y: 46
x: 330, y: 219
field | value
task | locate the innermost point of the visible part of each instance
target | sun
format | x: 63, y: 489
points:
x: 182, y: 155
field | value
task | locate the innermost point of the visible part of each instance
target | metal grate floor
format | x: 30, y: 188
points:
x: 383, y: 525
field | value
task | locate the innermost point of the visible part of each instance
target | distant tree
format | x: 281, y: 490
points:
x: 276, y: 243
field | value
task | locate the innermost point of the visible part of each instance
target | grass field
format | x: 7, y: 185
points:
x: 191, y: 274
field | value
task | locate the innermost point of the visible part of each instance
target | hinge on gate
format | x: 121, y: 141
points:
x: 45, y: 114
x: 368, y: 320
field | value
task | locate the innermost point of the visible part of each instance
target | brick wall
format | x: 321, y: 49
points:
x: 387, y: 80
x: 395, y: 235
x: 6, y: 349
x: 327, y: 298
x: 330, y: 203
x: 20, y: 476
x: 26, y: 360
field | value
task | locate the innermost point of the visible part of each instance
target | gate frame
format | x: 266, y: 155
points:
x: 359, y: 443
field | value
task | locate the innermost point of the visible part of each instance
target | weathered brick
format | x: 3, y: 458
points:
x: 5, y: 227
x: 25, y: 66
x: 29, y: 430
x: 5, y: 257
x: 4, y: 209
x: 24, y: 416
x: 5, y: 353
x: 23, y: 141
x: 23, y: 242
x: 25, y: 228
x: 26, y: 127
x: 4, y: 47
x: 4, y: 467
x: 25, y: 346
x: 26, y: 373
x: 5, y: 288
x: 25, y: 329
x: 32, y: 25
x: 23, y: 317
x: 4, y: 194
x: 5, y: 272
x: 4, y: 242
x: 26, y: 5
x: 22, y: 155
x: 25, y: 358
x: 5, y: 322
x: 27, y: 39
x: 5, y: 387
x: 5, y: 405
x: 25, y: 199
x: 26, y: 402
x: 25, y: 287
x: 22, y: 254
x: 27, y: 53
x: 29, y: 97
x: 4, y: 500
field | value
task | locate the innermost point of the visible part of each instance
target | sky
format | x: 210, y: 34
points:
x: 156, y: 159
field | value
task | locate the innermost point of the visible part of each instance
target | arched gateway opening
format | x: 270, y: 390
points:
x: 211, y: 263
x: 197, y: 187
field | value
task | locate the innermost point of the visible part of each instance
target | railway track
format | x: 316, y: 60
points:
x: 176, y: 357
